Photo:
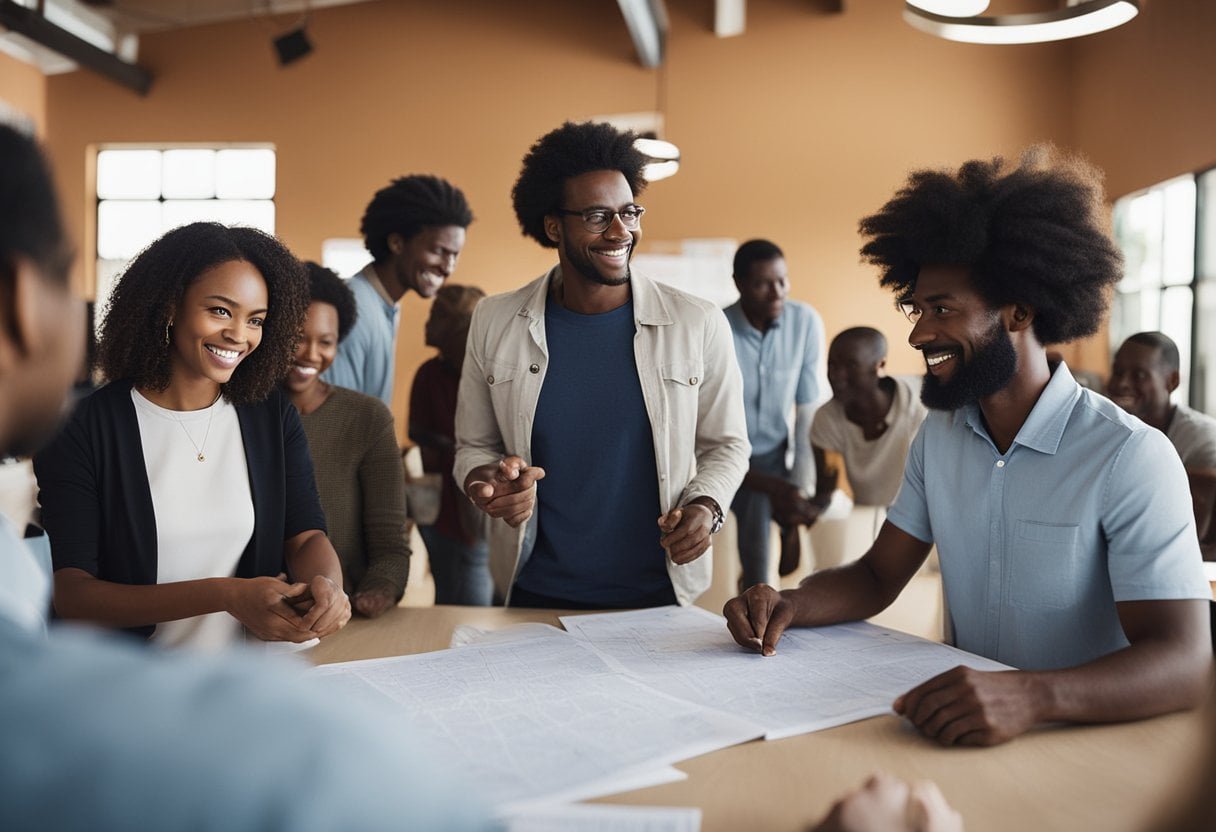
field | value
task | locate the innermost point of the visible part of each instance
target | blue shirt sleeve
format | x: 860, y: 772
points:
x: 910, y: 512
x: 101, y: 735
x: 1152, y: 546
x: 808, y: 378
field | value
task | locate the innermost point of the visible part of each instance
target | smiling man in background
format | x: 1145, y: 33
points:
x: 1143, y: 376
x: 415, y: 230
x: 1063, y: 525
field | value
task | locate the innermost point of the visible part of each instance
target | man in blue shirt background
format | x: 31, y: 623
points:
x: 101, y: 734
x: 1063, y: 524
x: 414, y: 229
x: 779, y: 346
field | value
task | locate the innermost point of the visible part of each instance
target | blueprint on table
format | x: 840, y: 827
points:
x: 820, y: 677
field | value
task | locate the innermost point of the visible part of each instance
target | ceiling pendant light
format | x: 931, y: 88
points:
x: 663, y: 156
x: 951, y: 8
x: 1076, y: 19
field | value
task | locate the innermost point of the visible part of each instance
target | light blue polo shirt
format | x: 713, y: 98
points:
x: 367, y: 355
x: 780, y: 369
x: 1089, y: 506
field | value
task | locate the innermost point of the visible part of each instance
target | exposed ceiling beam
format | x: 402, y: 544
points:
x: 31, y: 24
x: 647, y: 23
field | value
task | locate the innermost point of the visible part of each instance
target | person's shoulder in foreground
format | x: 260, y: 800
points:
x: 175, y: 741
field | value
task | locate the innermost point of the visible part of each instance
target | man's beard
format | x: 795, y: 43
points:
x: 583, y: 265
x: 989, y: 371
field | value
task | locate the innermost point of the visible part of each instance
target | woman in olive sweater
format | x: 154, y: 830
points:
x: 354, y: 452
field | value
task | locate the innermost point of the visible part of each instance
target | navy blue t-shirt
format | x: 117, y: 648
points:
x: 598, y: 506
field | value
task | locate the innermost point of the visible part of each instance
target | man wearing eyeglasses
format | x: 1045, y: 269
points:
x: 600, y: 414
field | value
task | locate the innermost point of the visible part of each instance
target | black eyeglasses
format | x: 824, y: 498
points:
x: 598, y: 220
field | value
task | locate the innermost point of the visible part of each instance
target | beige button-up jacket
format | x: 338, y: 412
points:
x: 690, y: 382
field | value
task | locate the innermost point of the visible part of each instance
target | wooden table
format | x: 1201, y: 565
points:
x: 1111, y: 777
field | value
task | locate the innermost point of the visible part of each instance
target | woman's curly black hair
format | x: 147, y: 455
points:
x: 325, y: 286
x: 1032, y: 233
x: 406, y: 206
x: 132, y: 344
x: 570, y: 150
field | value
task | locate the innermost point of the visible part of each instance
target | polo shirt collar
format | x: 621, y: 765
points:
x: 1045, y: 425
x: 734, y: 313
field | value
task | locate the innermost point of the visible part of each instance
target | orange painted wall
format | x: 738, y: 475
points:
x: 792, y: 131
x: 23, y: 88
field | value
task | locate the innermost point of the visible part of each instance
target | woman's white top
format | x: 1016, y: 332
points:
x: 204, y: 510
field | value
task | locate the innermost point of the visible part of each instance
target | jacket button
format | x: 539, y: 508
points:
x: 489, y: 379
x: 535, y: 368
x: 692, y: 380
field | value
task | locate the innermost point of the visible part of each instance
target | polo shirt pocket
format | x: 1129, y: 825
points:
x: 1046, y: 569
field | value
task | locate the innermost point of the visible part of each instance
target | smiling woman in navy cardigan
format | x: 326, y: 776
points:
x: 179, y: 499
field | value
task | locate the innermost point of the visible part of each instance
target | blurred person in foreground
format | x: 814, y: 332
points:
x: 101, y: 734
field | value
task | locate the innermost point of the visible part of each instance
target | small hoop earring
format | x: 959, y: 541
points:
x: 168, y: 326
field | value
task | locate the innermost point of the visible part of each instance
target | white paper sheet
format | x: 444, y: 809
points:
x: 819, y: 678
x: 544, y: 717
x: 592, y: 817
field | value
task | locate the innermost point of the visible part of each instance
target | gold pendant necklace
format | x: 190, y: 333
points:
x: 198, y: 449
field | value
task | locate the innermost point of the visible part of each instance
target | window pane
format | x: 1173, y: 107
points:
x: 344, y: 255
x: 124, y: 227
x: 244, y: 174
x: 1207, y: 226
x: 1176, y: 323
x: 128, y: 174
x: 1138, y: 221
x: 1178, y: 246
x: 189, y: 174
x: 107, y: 275
x: 1204, y: 394
x: 254, y: 213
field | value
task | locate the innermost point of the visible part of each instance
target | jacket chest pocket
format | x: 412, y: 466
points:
x: 682, y: 382
x: 503, y: 381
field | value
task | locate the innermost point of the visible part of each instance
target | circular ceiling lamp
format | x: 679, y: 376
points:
x: 1077, y: 18
x: 664, y: 158
x: 951, y: 8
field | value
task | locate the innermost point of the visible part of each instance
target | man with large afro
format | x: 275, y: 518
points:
x: 621, y: 392
x: 414, y: 229
x: 1063, y: 525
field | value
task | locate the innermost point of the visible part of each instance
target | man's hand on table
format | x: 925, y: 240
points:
x: 964, y: 706
x: 505, y: 489
x: 757, y: 618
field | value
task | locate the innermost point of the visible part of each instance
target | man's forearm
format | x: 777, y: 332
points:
x: 1147, y: 678
x: 852, y: 592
